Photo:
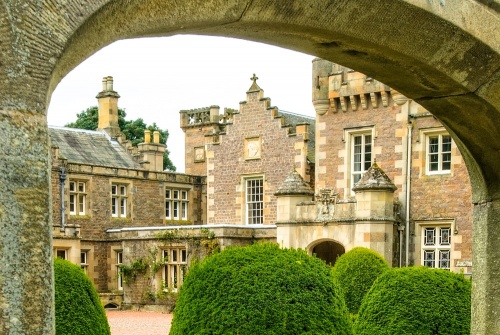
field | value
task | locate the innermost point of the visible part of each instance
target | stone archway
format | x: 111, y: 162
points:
x: 328, y: 251
x: 443, y: 54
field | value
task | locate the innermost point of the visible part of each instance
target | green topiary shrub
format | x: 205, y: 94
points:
x: 416, y: 300
x: 78, y: 308
x: 355, y: 271
x: 260, y: 289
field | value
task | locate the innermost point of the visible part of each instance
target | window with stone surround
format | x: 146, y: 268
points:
x: 77, y: 197
x: 119, y: 197
x: 254, y: 200
x: 438, y: 152
x: 119, y: 262
x: 84, y: 260
x: 175, y: 267
x: 61, y: 253
x: 436, y: 246
x: 359, y: 147
x: 176, y: 204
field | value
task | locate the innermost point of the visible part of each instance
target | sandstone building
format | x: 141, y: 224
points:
x: 372, y: 169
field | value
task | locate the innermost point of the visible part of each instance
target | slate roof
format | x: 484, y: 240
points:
x: 293, y: 120
x: 90, y: 147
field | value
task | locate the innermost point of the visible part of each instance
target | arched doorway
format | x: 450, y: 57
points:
x: 451, y: 67
x: 328, y: 251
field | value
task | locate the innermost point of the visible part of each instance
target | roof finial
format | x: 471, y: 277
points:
x: 254, y: 87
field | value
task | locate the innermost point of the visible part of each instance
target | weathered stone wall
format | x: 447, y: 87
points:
x: 332, y: 152
x: 451, y: 67
x: 443, y: 196
x: 358, y: 102
x: 229, y: 164
x: 198, y: 242
x: 146, y: 208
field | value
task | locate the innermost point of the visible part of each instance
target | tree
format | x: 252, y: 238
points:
x: 416, y: 300
x: 260, y: 289
x: 355, y: 272
x: 78, y: 308
x: 132, y: 129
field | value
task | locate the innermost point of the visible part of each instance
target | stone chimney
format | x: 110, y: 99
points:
x: 152, y: 152
x: 108, y: 108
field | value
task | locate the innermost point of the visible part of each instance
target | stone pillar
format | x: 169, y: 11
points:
x: 486, y: 269
x: 375, y: 212
x: 293, y: 191
x: 26, y: 271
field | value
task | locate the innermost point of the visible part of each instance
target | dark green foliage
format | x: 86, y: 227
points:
x: 132, y: 129
x: 260, y: 289
x: 78, y: 308
x: 355, y: 271
x: 416, y: 300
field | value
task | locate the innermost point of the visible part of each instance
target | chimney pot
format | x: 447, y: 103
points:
x: 147, y: 136
x: 109, y: 82
x: 156, y: 136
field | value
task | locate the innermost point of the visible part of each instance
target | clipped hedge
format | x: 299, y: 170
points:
x: 78, y: 308
x: 355, y: 271
x: 416, y: 300
x: 260, y: 289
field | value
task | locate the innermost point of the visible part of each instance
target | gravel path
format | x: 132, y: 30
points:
x: 138, y: 323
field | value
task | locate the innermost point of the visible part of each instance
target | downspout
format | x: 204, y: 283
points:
x: 408, y: 183
x: 62, y: 179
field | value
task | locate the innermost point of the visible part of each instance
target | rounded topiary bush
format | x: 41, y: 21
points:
x: 78, y: 308
x: 416, y: 300
x: 260, y: 289
x: 355, y: 271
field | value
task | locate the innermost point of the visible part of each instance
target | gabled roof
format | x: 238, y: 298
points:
x: 293, y: 120
x: 90, y: 147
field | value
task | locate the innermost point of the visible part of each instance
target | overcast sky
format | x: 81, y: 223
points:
x: 158, y: 77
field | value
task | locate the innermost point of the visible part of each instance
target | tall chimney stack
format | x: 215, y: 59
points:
x: 108, y: 108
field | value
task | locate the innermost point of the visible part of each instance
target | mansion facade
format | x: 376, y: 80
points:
x: 372, y: 169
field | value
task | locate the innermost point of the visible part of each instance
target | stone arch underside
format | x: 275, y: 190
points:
x: 444, y: 55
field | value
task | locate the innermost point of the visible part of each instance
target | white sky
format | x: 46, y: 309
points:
x: 158, y: 77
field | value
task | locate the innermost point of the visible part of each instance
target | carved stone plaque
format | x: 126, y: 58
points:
x: 199, y: 154
x: 252, y: 148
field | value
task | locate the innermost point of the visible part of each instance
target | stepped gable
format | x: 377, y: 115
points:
x: 292, y: 120
x: 374, y: 179
x: 90, y: 147
x: 294, y: 184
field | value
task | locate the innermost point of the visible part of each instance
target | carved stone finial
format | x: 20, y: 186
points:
x: 254, y: 87
x: 374, y: 179
x: 294, y: 184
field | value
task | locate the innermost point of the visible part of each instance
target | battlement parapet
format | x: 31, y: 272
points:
x: 338, y: 88
x: 206, y: 116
